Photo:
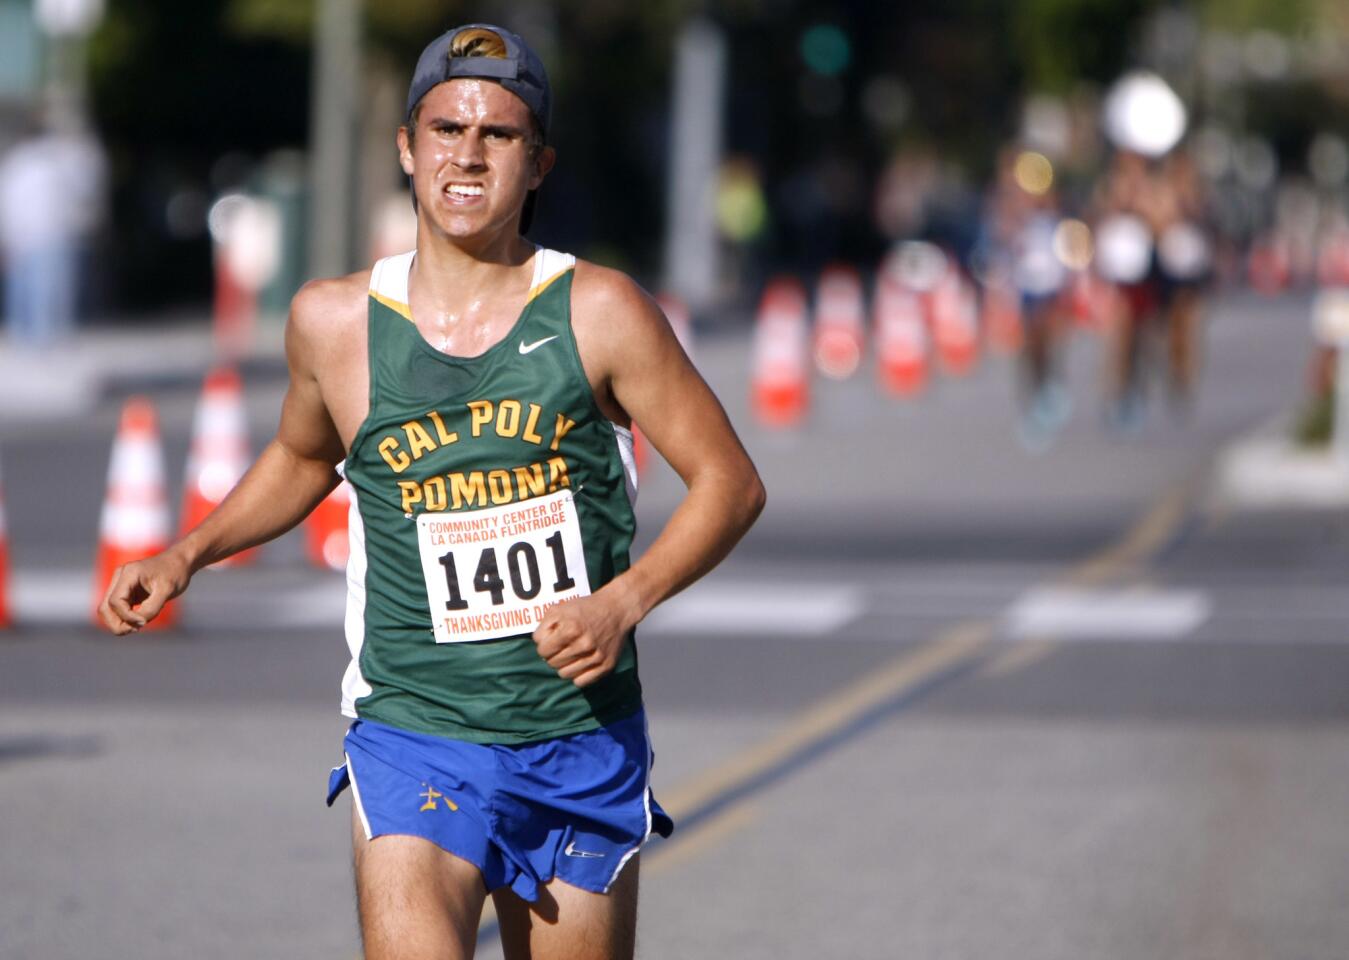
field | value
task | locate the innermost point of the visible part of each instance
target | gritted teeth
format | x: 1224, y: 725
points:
x: 464, y: 190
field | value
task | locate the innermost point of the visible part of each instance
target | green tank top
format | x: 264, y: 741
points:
x: 484, y: 490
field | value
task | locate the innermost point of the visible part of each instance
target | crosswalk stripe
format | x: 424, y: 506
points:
x: 1140, y: 614
x: 796, y: 610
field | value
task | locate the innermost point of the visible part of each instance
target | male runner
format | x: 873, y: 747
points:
x: 480, y: 394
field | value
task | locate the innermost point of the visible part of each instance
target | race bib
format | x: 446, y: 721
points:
x: 494, y: 573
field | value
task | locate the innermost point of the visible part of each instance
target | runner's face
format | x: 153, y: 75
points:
x: 470, y: 162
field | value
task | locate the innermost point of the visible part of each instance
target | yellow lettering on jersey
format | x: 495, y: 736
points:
x: 471, y: 490
x: 399, y: 461
x: 412, y: 493
x: 481, y: 411
x: 419, y: 441
x: 446, y: 438
x: 508, y: 418
x: 433, y: 492
x: 557, y: 474
x: 529, y: 481
x: 560, y: 430
x: 499, y: 485
x: 531, y: 423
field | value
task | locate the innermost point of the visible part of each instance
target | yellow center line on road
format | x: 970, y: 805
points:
x: 891, y: 680
x: 1147, y: 536
x: 957, y: 645
x: 1020, y: 654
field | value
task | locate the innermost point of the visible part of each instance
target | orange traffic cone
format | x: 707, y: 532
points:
x: 219, y: 454
x: 901, y: 337
x: 4, y: 564
x: 779, y: 383
x: 1002, y: 317
x: 838, y: 322
x: 135, y: 520
x: 953, y: 318
x: 325, y: 530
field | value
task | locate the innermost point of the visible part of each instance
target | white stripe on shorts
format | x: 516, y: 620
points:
x: 646, y: 803
x: 356, y: 798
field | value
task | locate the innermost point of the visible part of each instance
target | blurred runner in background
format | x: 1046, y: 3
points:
x: 480, y: 391
x: 1016, y: 250
x: 1153, y: 244
x: 1185, y: 263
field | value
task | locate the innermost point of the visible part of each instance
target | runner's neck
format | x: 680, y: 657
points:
x: 448, y: 277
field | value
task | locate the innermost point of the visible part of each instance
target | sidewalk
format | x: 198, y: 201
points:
x: 70, y: 378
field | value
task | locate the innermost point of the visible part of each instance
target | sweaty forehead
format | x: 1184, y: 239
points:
x: 472, y: 100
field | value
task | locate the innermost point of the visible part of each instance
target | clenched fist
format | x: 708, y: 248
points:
x: 581, y: 639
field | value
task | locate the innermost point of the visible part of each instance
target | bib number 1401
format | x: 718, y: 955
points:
x: 494, y: 573
x: 522, y: 565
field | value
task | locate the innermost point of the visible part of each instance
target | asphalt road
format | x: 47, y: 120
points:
x: 949, y: 699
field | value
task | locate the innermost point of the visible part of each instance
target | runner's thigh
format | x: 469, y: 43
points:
x: 416, y: 901
x: 569, y: 923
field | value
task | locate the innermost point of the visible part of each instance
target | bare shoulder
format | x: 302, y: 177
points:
x: 326, y: 353
x: 612, y: 315
x: 611, y: 295
x: 320, y: 306
x: 326, y: 316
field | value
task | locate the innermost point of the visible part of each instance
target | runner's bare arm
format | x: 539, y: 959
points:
x: 640, y: 371
x: 292, y: 474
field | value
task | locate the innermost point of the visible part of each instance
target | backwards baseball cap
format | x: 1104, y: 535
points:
x: 520, y: 71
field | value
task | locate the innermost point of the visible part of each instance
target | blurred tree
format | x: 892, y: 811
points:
x: 1059, y: 43
x: 1283, y: 16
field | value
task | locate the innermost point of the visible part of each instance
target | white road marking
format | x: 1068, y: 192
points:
x: 1124, y: 614
x: 747, y: 608
x: 797, y: 609
x: 65, y: 597
x: 52, y: 597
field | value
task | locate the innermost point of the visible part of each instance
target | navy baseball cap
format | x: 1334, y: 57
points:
x: 520, y: 71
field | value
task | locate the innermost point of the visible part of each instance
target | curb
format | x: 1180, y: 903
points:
x: 1267, y: 470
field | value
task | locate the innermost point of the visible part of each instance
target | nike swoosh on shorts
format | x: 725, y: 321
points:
x: 571, y: 851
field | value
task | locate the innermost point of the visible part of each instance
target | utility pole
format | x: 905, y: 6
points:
x: 695, y: 158
x: 333, y: 141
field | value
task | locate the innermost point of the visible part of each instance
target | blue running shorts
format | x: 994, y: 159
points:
x: 576, y: 808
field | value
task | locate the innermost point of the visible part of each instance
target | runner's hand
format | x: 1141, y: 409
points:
x: 582, y: 638
x: 139, y: 590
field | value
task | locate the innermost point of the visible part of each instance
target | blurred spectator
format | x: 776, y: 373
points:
x: 742, y: 221
x: 1185, y: 265
x: 51, y: 200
